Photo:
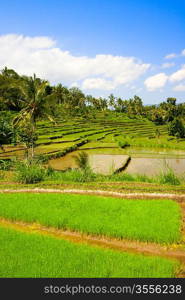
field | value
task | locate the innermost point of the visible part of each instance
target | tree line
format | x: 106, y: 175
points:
x: 29, y: 98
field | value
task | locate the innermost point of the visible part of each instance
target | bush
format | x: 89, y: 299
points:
x: 29, y: 172
x: 82, y: 160
x: 176, y: 128
x: 5, y: 165
x: 6, y: 132
x: 124, y: 143
x: 169, y: 177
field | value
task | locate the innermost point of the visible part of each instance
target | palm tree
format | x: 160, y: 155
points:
x: 33, y: 92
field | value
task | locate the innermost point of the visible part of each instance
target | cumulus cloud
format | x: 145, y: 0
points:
x: 167, y: 65
x: 179, y: 88
x: 155, y: 82
x: 98, y: 83
x: 40, y: 55
x: 178, y: 75
x: 171, y: 55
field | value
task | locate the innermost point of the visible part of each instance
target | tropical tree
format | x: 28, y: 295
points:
x: 176, y: 128
x: 111, y: 101
x: 9, y: 93
x: 34, y: 93
x: 7, y: 132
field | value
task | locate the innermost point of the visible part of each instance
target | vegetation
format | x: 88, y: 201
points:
x: 82, y: 160
x: 87, y: 175
x: 29, y: 172
x: 34, y: 255
x: 41, y: 125
x: 155, y: 221
x: 176, y: 128
x: 7, y: 132
x: 34, y: 98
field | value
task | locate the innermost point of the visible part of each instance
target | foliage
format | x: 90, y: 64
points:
x: 19, y: 93
x: 82, y: 160
x: 7, y: 132
x: 6, y: 165
x: 29, y: 172
x: 176, y: 128
x: 168, y: 176
x: 28, y: 136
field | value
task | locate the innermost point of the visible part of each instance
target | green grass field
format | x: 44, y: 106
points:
x: 35, y: 255
x: 155, y: 220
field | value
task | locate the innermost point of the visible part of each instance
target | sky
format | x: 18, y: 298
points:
x: 124, y: 47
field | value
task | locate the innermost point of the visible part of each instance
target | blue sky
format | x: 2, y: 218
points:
x: 101, y: 46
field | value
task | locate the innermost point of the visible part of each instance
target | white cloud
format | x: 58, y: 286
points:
x: 74, y: 84
x: 98, y: 83
x: 167, y: 65
x: 183, y: 52
x: 13, y: 42
x: 171, y: 55
x: 156, y: 82
x: 40, y: 55
x: 179, y: 88
x: 178, y: 75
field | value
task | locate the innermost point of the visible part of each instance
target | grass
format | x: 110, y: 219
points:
x: 77, y: 175
x: 74, y: 175
x: 27, y: 172
x: 153, y: 221
x: 34, y: 255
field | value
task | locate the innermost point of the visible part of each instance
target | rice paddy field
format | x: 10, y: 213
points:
x: 32, y: 246
x: 33, y: 255
x: 151, y: 221
x: 100, y: 236
x: 102, y: 133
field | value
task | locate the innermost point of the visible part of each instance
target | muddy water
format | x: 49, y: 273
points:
x: 154, y: 161
x: 154, y: 166
x: 100, y: 163
x: 143, y: 161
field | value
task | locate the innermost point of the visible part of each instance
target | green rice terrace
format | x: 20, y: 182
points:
x: 93, y: 235
x: 89, y: 187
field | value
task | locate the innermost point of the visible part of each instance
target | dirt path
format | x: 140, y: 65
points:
x: 176, y: 197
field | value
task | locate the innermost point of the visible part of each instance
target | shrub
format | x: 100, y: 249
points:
x: 29, y: 172
x: 176, y: 128
x: 5, y: 165
x: 82, y: 160
x: 168, y: 176
x: 124, y: 143
x: 6, y: 132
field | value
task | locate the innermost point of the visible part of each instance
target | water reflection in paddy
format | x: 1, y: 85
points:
x: 144, y: 161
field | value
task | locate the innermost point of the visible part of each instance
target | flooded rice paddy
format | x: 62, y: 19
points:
x: 143, y: 161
